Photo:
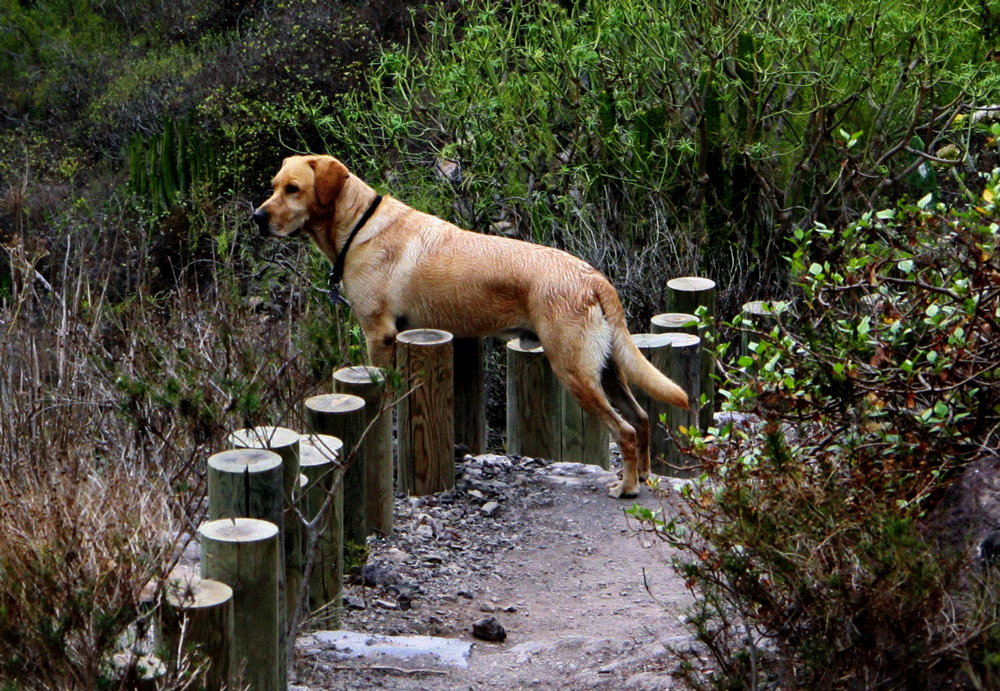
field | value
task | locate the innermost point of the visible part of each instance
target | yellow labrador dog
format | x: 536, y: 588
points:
x: 403, y: 269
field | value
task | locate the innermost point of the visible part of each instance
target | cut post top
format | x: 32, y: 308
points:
x: 319, y: 449
x: 266, y: 437
x: 335, y: 403
x: 424, y: 337
x: 360, y: 375
x: 238, y: 530
x: 251, y: 460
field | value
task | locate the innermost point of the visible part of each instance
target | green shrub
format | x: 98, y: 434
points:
x: 807, y: 541
x: 675, y: 139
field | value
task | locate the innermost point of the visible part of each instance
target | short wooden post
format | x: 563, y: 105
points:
x: 285, y: 443
x: 533, y: 403
x: 685, y: 369
x: 758, y: 315
x: 470, y: 394
x: 584, y: 438
x: 426, y: 422
x: 674, y: 322
x: 342, y: 415
x: 686, y: 295
x: 246, y: 483
x: 657, y: 349
x: 244, y: 553
x: 196, y: 623
x: 544, y: 420
x: 368, y: 383
x: 320, y: 462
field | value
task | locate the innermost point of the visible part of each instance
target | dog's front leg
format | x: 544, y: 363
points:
x: 380, y: 335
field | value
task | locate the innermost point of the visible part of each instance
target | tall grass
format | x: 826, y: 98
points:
x: 111, y: 399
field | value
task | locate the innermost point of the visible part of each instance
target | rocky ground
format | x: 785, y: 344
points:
x: 534, y: 554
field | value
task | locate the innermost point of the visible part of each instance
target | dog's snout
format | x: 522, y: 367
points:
x: 260, y: 217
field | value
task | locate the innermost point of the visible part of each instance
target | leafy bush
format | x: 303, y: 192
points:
x: 672, y: 139
x: 808, y: 541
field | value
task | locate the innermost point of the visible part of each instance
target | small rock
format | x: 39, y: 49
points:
x: 489, y: 629
x: 465, y: 593
x: 490, y: 508
x: 405, y: 601
x: 355, y: 603
x: 375, y: 575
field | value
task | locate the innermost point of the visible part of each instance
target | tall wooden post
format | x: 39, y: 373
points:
x: 685, y: 368
x: 320, y: 461
x: 285, y: 443
x: 246, y: 483
x: 426, y: 423
x: 533, y: 403
x: 244, y: 554
x: 470, y: 394
x: 342, y: 415
x: 686, y: 295
x: 368, y: 383
x: 759, y: 315
x: 657, y: 349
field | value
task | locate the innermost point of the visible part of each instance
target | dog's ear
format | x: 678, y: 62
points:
x: 331, y: 175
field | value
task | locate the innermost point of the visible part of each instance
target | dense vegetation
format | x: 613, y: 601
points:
x: 839, y: 155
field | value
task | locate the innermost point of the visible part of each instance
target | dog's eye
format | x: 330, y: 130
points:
x: 291, y: 189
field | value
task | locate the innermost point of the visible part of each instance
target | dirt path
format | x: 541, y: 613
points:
x: 538, y: 547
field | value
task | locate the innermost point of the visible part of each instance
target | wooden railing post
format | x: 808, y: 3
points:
x: 426, y: 413
x: 319, y: 458
x: 685, y: 295
x: 342, y: 415
x: 470, y: 394
x: 244, y: 554
x: 368, y: 383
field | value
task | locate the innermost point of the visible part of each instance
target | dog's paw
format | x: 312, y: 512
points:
x: 617, y: 490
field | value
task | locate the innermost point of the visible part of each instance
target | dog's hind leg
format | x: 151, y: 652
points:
x: 590, y: 394
x: 624, y: 402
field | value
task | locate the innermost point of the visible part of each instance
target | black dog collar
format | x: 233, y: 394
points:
x: 337, y: 270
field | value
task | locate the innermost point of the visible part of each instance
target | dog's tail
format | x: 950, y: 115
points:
x: 642, y: 373
x: 633, y: 365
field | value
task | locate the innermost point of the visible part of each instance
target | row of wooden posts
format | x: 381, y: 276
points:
x: 281, y: 507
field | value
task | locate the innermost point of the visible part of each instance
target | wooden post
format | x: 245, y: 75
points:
x: 342, y: 415
x: 246, y: 483
x: 368, y: 383
x: 470, y: 394
x: 285, y: 443
x: 686, y: 295
x: 657, y: 349
x: 196, y: 623
x: 320, y: 462
x: 674, y: 322
x: 543, y: 418
x: 244, y: 553
x: 685, y: 369
x: 533, y: 403
x: 759, y: 315
x: 584, y: 438
x: 426, y: 423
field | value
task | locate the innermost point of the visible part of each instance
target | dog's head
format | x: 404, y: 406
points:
x: 305, y: 191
